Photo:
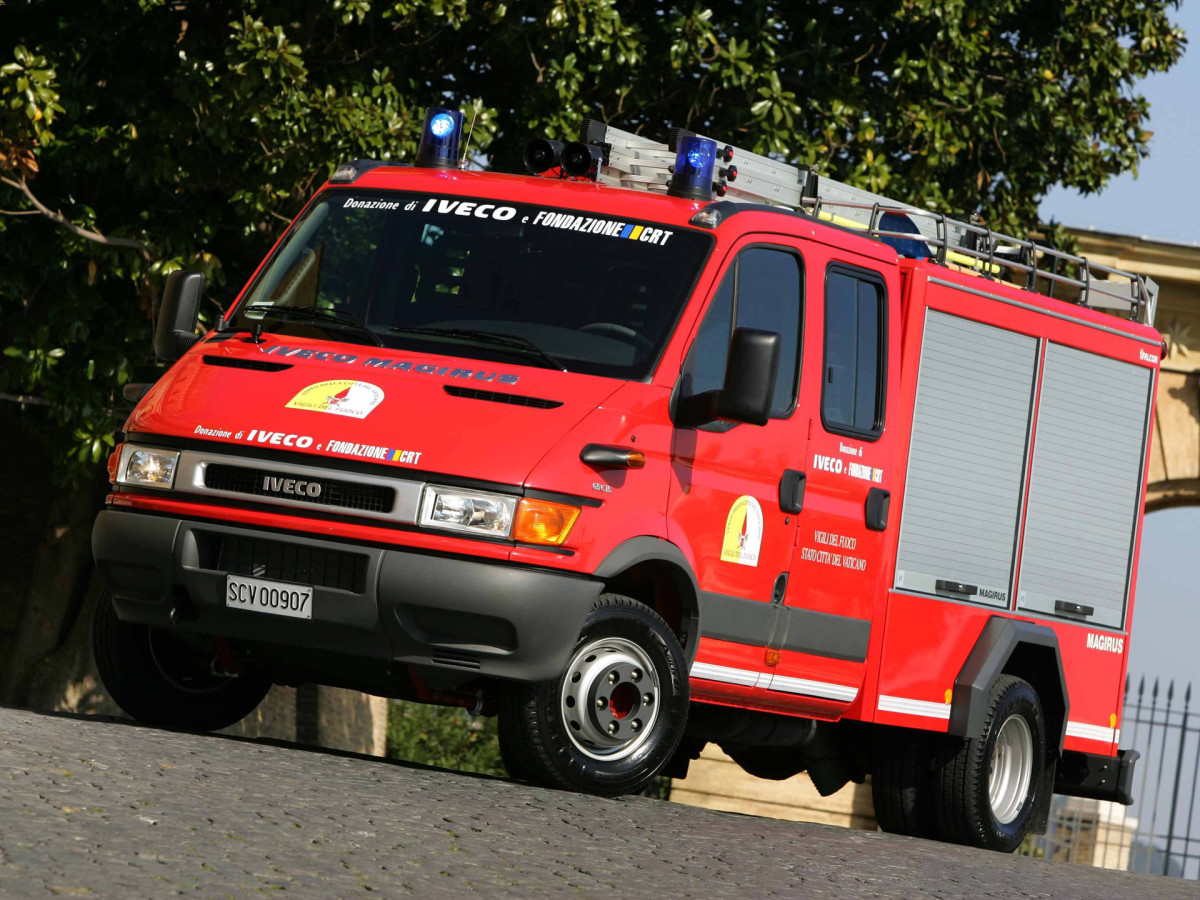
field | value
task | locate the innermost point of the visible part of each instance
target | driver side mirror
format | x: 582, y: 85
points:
x: 749, y: 387
x: 176, y: 331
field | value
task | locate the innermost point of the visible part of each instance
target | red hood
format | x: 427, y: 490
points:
x: 440, y: 414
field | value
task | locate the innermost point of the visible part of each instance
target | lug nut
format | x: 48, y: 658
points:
x: 647, y: 699
x: 636, y: 724
x: 636, y: 675
x: 612, y: 677
x: 601, y: 702
x: 612, y: 727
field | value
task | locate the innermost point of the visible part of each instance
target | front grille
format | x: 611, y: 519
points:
x: 259, y: 558
x: 342, y: 494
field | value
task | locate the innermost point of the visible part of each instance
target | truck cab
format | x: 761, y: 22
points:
x: 625, y: 467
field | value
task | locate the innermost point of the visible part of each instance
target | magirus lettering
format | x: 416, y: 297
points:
x: 1108, y: 642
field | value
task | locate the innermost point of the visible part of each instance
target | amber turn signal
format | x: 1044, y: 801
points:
x: 601, y: 456
x: 543, y: 521
x: 113, y: 459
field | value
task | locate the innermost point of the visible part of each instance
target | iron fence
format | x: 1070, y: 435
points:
x: 1160, y: 833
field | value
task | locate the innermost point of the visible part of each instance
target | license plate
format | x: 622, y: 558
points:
x: 274, y: 597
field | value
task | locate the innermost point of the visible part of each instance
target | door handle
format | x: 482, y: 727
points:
x: 791, y: 491
x: 876, y: 510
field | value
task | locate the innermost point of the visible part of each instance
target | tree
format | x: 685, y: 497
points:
x: 137, y: 139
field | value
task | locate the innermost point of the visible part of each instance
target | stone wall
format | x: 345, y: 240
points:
x: 716, y: 782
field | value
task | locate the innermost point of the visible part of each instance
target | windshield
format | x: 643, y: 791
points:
x: 479, y: 278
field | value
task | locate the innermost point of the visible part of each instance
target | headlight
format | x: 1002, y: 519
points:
x: 468, y: 511
x: 143, y: 467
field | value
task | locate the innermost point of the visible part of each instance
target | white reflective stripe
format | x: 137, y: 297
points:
x: 1092, y: 732
x: 813, y: 688
x: 911, y: 707
x: 749, y: 678
x: 709, y: 672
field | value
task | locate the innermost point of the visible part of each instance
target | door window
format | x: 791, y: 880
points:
x: 852, y: 395
x: 762, y: 289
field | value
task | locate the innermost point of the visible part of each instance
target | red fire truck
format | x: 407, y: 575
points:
x: 662, y: 444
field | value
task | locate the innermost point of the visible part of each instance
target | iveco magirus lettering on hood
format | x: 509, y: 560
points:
x: 656, y: 445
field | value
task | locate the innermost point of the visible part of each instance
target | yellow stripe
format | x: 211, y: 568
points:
x: 634, y: 234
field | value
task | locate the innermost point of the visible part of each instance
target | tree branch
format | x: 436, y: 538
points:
x: 60, y: 219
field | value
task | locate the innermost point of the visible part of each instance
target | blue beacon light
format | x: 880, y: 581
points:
x: 438, y: 148
x: 695, y: 160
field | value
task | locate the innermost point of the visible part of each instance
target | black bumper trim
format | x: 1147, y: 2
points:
x: 483, y: 617
x: 1097, y: 777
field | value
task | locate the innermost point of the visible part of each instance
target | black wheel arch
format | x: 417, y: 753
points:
x: 1012, y: 647
x: 645, y: 567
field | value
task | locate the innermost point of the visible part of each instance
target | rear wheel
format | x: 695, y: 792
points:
x: 160, y: 679
x: 988, y: 784
x: 902, y: 783
x: 614, y: 716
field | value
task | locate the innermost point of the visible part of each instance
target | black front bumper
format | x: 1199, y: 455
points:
x: 461, y: 617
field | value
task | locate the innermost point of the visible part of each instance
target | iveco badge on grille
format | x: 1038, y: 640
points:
x: 291, y: 486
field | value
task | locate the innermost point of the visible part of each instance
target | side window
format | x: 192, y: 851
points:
x: 762, y: 289
x: 852, y: 394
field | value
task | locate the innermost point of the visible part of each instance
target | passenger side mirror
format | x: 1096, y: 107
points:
x: 749, y: 387
x: 176, y: 331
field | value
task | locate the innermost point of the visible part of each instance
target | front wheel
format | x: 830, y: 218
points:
x: 615, y: 715
x: 159, y: 679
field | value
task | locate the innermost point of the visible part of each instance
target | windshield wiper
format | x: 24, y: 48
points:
x: 511, y: 341
x: 314, y: 314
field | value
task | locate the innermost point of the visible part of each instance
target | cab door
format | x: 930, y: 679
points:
x: 724, y: 501
x: 833, y: 593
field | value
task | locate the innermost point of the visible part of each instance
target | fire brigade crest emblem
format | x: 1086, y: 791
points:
x: 342, y: 398
x: 743, y: 532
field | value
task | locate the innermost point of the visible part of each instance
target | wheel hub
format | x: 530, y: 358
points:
x: 610, y: 698
x: 187, y: 669
x: 1011, y: 769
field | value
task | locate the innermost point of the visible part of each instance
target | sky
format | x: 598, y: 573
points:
x: 1166, y: 617
x: 1163, y: 202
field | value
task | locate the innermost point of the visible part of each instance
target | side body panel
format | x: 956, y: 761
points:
x: 930, y: 629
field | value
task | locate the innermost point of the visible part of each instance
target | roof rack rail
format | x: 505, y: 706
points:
x: 633, y: 161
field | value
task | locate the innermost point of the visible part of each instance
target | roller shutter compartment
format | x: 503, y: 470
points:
x: 1085, y: 486
x: 962, y: 494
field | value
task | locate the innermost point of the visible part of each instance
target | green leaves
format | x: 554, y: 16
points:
x: 28, y: 105
x: 201, y: 129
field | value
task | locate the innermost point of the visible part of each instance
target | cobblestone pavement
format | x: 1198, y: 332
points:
x: 101, y: 807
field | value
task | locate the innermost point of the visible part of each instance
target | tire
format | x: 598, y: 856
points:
x: 629, y: 662
x: 902, y: 783
x: 159, y: 679
x: 987, y: 784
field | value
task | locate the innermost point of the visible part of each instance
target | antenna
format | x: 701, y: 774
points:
x: 470, y: 130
